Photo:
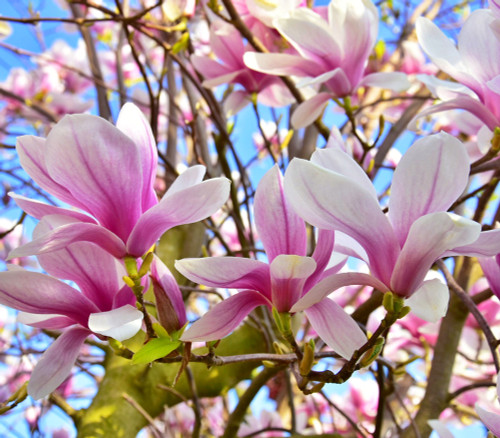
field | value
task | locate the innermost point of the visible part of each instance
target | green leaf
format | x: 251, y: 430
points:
x: 155, y: 349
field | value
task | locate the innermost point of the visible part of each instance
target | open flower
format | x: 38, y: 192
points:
x: 109, y: 173
x: 472, y: 64
x: 333, y: 192
x: 289, y: 275
x: 332, y: 53
x: 103, y: 305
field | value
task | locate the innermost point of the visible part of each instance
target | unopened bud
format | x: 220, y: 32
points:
x: 307, y: 361
x: 372, y: 353
x: 146, y: 264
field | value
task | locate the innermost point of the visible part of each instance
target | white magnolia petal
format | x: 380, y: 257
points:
x: 430, y: 301
x: 119, y: 324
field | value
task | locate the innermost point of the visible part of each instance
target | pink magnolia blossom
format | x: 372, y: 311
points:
x: 473, y: 64
x: 332, y: 53
x: 332, y: 192
x: 228, y: 46
x: 280, y: 283
x: 109, y: 172
x: 103, y: 305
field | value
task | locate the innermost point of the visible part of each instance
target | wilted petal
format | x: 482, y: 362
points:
x: 429, y: 238
x: 334, y: 326
x: 131, y: 121
x: 432, y: 174
x: 330, y: 284
x: 119, y: 324
x: 430, y: 301
x: 187, y: 206
x: 100, y: 166
x: 222, y: 319
x: 332, y: 201
x: 56, y: 363
x: 232, y: 272
x: 280, y: 229
x: 33, y: 292
x: 288, y: 276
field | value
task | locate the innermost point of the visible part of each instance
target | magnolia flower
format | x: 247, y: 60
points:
x: 109, y: 172
x: 103, y: 305
x: 287, y: 277
x: 332, y: 53
x: 472, y: 64
x: 332, y: 192
x: 228, y: 46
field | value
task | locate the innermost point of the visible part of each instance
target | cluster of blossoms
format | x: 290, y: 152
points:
x: 311, y: 219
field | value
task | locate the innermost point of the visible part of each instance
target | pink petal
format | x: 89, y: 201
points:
x: 51, y: 322
x: 330, y: 284
x: 466, y: 103
x: 133, y: 124
x: 33, y: 292
x: 70, y: 233
x: 311, y: 36
x: 56, y: 363
x: 280, y: 229
x: 100, y: 166
x: 32, y: 156
x: 309, y: 110
x: 340, y: 162
x: 186, y: 206
x: 281, y: 64
x: 222, y: 319
x: 332, y: 201
x: 334, y: 326
x: 96, y: 272
x: 429, y: 238
x: 432, y: 174
x: 190, y: 177
x: 490, y: 419
x: 232, y: 272
x: 288, y: 276
x: 491, y: 270
x: 487, y: 245
x: 39, y: 209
